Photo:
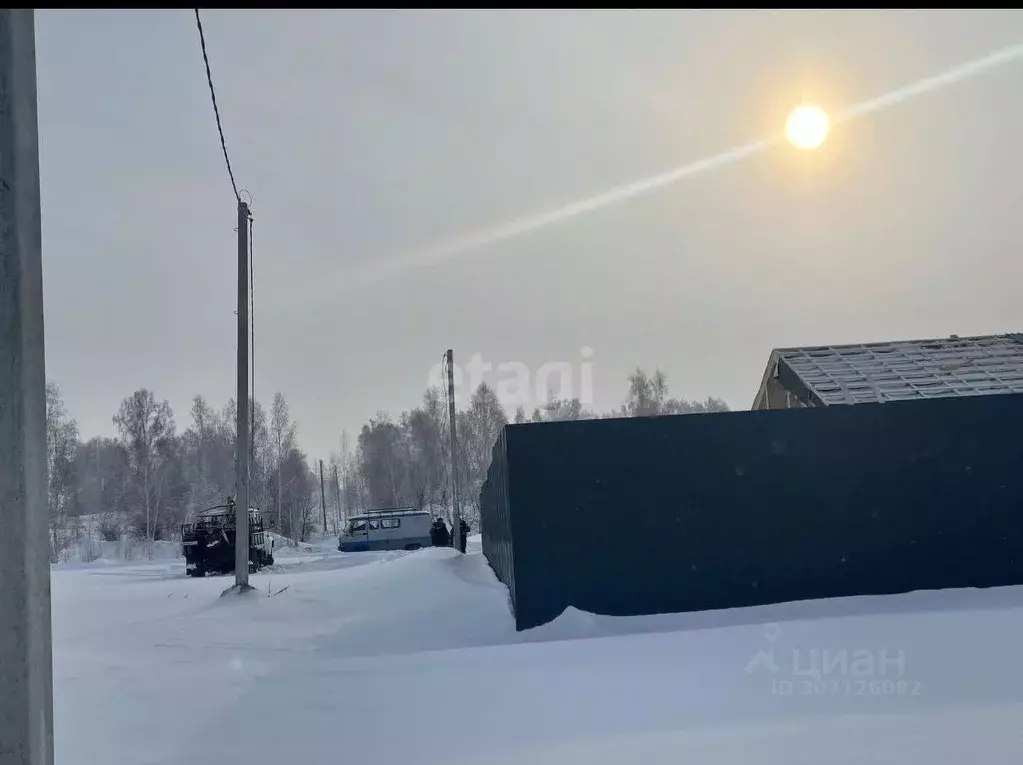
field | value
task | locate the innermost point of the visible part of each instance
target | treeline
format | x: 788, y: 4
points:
x: 406, y: 460
x: 151, y: 477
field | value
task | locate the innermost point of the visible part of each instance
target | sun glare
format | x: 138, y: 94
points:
x: 807, y: 126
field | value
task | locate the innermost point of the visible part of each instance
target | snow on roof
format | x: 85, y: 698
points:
x: 388, y: 511
x: 899, y: 371
x: 221, y: 510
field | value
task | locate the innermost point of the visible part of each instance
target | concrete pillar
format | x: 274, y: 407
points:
x: 26, y: 676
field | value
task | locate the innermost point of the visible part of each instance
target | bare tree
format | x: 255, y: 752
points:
x: 384, y: 462
x: 298, y: 490
x: 480, y: 426
x: 424, y: 427
x: 148, y: 478
x: 648, y: 397
x: 558, y: 409
x: 647, y: 394
x: 204, y: 429
x: 103, y: 476
x: 61, y: 450
x: 205, y: 449
x: 147, y: 429
x: 352, y: 490
x: 282, y: 440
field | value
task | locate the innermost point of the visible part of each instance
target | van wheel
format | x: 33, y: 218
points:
x: 413, y: 546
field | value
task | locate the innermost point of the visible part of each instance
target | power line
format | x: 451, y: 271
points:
x: 245, y: 430
x: 213, y: 97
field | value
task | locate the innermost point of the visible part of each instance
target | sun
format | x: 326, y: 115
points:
x: 807, y: 126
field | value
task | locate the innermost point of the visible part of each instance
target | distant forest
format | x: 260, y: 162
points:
x: 150, y: 478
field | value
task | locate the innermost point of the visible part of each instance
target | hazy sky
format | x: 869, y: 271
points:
x: 364, y: 136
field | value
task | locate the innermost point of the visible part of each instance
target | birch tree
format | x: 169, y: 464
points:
x: 61, y: 450
x: 282, y: 441
x: 146, y: 427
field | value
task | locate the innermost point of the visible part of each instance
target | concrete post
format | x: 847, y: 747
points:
x: 26, y: 674
x: 241, y: 515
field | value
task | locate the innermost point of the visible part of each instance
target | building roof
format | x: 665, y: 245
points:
x: 897, y: 371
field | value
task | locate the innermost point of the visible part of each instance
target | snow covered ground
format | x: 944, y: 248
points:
x: 413, y: 658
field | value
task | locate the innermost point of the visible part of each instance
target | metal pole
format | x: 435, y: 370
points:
x: 241, y: 534
x: 26, y: 663
x: 456, y: 516
x: 323, y: 499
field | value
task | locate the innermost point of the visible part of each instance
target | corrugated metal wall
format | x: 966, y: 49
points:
x: 693, y: 512
x: 496, y: 517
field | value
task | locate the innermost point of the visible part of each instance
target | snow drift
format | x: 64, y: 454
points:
x: 382, y: 657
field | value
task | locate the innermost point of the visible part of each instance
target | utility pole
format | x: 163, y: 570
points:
x: 323, y: 499
x: 26, y: 663
x: 252, y: 433
x: 241, y: 534
x: 252, y: 358
x: 456, y: 516
x: 337, y: 496
x: 99, y: 474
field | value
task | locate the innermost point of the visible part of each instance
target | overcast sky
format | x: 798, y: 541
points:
x: 366, y: 136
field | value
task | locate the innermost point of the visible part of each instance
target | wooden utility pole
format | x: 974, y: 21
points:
x: 323, y: 499
x: 337, y: 495
x: 241, y: 535
x: 456, y: 514
x: 26, y: 663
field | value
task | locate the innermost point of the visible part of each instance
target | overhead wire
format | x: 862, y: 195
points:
x: 216, y: 110
x: 238, y: 198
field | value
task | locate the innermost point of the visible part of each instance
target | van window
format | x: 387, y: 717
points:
x: 374, y: 525
x: 390, y: 523
x: 357, y: 526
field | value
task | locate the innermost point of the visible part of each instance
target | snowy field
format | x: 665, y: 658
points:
x: 411, y: 658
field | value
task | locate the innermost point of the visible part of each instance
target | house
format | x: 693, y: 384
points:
x: 894, y: 371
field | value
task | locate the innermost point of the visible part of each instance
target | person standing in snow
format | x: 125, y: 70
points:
x: 439, y: 535
x: 465, y: 529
